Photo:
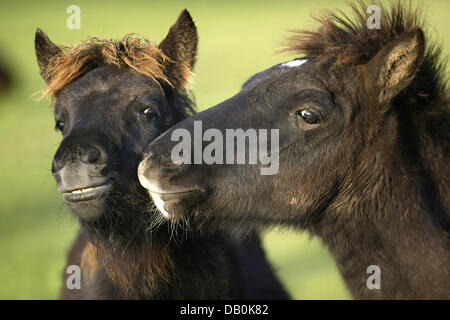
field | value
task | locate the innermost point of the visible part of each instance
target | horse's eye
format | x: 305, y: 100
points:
x: 309, y: 116
x: 60, y: 125
x: 150, y: 113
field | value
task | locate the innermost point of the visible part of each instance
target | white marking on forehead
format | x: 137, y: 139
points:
x: 294, y: 63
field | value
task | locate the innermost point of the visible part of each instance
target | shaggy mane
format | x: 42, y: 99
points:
x: 343, y: 40
x: 346, y: 40
x: 134, y: 52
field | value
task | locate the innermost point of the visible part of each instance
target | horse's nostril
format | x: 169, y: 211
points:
x: 152, y: 158
x: 94, y: 156
x: 55, y: 166
x: 57, y: 177
x: 86, y: 147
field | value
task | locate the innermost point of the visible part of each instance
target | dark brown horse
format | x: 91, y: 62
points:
x: 363, y: 124
x: 111, y: 99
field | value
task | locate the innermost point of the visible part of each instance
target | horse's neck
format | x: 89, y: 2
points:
x: 137, y: 270
x: 168, y: 266
x: 390, y: 226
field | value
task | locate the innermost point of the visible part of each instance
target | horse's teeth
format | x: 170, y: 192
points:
x: 82, y: 190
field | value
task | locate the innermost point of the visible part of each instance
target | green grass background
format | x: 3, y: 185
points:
x: 237, y: 39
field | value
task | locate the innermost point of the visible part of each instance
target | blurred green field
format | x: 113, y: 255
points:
x: 237, y: 39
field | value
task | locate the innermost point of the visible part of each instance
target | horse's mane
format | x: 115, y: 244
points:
x: 131, y: 51
x: 346, y: 40
x: 134, y: 52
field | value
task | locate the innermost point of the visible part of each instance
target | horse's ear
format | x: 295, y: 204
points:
x: 45, y: 50
x: 395, y: 65
x: 180, y: 45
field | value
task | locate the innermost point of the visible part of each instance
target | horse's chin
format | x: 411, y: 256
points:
x: 175, y: 206
x: 88, y: 210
